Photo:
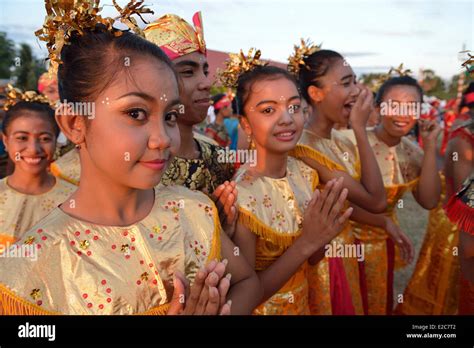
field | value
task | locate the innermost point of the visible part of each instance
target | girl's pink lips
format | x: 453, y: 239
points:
x: 157, y: 164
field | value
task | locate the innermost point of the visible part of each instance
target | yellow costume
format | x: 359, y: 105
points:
x: 273, y: 210
x: 19, y: 211
x: 400, y: 167
x: 434, y: 285
x: 85, y: 268
x: 330, y: 286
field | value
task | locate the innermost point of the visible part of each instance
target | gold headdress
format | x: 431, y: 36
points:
x: 376, y: 83
x: 469, y: 63
x: 64, y: 17
x: 296, y: 60
x: 175, y: 36
x: 237, y: 64
x: 15, y: 95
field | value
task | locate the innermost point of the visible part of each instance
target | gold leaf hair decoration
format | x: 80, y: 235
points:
x: 65, y: 17
x: 15, y: 95
x: 238, y: 64
x: 393, y: 72
x: 296, y: 60
x: 134, y: 7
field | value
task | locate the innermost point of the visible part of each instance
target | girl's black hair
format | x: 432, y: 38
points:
x: 91, y: 61
x: 259, y: 73
x: 397, y: 81
x: 21, y: 107
x: 316, y: 65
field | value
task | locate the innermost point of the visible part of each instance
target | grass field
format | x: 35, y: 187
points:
x: 413, y: 221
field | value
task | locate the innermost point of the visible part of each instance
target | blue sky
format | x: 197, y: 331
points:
x: 372, y: 34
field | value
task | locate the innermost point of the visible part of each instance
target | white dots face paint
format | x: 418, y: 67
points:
x: 106, y: 101
x: 164, y: 98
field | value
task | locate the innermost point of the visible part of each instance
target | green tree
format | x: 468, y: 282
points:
x: 28, y: 68
x: 453, y: 85
x: 432, y: 84
x: 7, y: 54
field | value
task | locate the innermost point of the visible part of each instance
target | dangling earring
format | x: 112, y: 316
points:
x: 250, y: 141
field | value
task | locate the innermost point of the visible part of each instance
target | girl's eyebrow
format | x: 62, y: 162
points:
x: 348, y: 76
x: 274, y: 102
x: 138, y: 94
x: 26, y: 132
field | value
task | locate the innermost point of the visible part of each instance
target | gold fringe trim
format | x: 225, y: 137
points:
x: 6, y: 239
x: 358, y: 169
x: 315, y: 181
x: 12, y: 304
x: 301, y: 151
x: 409, y: 185
x: 266, y: 232
x: 215, y: 252
x: 159, y: 310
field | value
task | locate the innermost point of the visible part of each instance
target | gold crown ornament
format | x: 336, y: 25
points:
x: 15, y: 95
x: 302, y: 51
x: 238, y: 64
x: 67, y: 17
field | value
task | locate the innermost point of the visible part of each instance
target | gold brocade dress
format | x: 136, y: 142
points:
x: 273, y: 210
x: 85, y: 268
x: 19, y: 211
x: 400, y: 167
x: 334, y: 283
x: 433, y: 286
x: 202, y: 174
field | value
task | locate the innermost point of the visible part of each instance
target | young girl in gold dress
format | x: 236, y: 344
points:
x: 122, y: 244
x: 330, y: 87
x: 281, y: 221
x: 404, y: 167
x: 30, y: 192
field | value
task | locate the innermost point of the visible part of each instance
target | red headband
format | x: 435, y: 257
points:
x: 469, y: 98
x: 225, y: 101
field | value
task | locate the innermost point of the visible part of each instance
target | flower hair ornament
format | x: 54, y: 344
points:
x: 302, y: 51
x: 238, y: 64
x: 67, y: 17
x: 15, y: 95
